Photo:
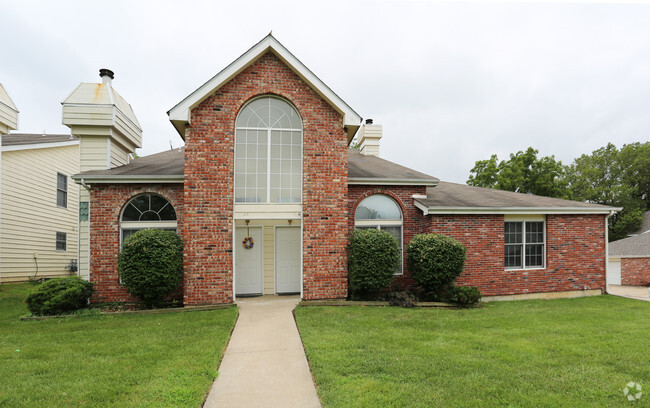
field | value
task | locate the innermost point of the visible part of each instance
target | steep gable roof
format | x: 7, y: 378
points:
x: 179, y: 115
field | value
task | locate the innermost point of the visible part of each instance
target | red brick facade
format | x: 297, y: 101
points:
x: 575, y: 244
x: 209, y: 181
x: 575, y: 254
x: 635, y: 271
x: 106, y: 203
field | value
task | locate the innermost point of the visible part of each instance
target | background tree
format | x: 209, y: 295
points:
x: 524, y: 172
x: 608, y: 176
x: 617, y: 178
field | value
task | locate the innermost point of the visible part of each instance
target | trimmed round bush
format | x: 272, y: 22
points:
x: 151, y: 264
x: 59, y: 296
x: 435, y: 261
x: 374, y: 257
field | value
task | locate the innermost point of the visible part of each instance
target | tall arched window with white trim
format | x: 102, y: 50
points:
x: 268, y: 152
x: 147, y: 211
x: 381, y: 212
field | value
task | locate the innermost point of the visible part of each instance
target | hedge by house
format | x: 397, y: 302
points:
x: 435, y: 261
x: 150, y: 264
x: 59, y: 296
x: 374, y: 257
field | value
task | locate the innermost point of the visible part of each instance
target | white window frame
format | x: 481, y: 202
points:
x: 267, y: 171
x: 60, y: 190
x: 523, y: 243
x: 64, y: 241
x: 378, y: 223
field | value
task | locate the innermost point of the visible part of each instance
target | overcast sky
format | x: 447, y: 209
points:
x: 451, y: 82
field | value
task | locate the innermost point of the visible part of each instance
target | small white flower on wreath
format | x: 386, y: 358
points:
x: 632, y: 391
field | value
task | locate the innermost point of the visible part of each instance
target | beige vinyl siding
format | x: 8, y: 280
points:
x: 269, y: 248
x: 95, y: 153
x: 30, y: 216
x: 119, y: 155
x: 89, y: 115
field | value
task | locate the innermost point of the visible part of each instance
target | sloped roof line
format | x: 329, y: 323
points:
x: 179, y: 115
x: 6, y: 99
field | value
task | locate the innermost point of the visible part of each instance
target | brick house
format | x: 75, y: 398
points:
x: 629, y: 258
x: 266, y: 192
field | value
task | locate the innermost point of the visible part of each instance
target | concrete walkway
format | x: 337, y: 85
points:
x: 265, y: 363
x: 632, y: 292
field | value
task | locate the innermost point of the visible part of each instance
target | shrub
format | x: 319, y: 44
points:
x: 374, y: 257
x: 435, y: 261
x: 151, y: 264
x: 402, y: 299
x: 59, y: 295
x: 464, y: 295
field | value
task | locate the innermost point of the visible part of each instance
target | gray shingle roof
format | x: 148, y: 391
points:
x: 17, y: 139
x: 444, y: 197
x: 364, y: 169
x: 459, y: 196
x: 638, y: 245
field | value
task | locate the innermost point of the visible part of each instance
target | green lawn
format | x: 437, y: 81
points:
x: 136, y: 360
x: 553, y: 353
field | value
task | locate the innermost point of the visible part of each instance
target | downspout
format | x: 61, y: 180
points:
x: 84, y: 185
x: 612, y: 212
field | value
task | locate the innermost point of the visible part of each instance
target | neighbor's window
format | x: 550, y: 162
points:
x: 268, y: 152
x: 147, y: 211
x: 524, y: 244
x: 61, y: 241
x: 61, y: 190
x: 381, y: 212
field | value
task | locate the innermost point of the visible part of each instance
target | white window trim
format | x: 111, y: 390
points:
x: 523, y: 266
x: 65, y: 241
x: 58, y: 189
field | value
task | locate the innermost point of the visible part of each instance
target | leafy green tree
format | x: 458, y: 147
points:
x: 523, y: 172
x: 617, y: 178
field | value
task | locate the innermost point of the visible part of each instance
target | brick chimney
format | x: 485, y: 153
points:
x: 370, y: 136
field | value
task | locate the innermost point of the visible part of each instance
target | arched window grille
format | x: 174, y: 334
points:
x: 147, y: 211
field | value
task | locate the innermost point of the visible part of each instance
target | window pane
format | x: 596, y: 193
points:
x: 131, y: 213
x: 167, y: 213
x: 512, y: 256
x: 534, y: 232
x: 535, y: 255
x: 513, y: 233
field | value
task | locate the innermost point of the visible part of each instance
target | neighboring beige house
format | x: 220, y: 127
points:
x: 43, y: 214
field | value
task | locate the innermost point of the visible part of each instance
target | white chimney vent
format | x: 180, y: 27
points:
x: 370, y: 136
x: 106, y: 75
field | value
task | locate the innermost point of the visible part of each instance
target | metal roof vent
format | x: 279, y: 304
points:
x: 106, y: 74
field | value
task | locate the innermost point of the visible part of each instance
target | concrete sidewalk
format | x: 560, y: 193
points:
x: 632, y: 292
x: 265, y: 363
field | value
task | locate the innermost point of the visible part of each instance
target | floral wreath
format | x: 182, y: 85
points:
x: 248, y: 242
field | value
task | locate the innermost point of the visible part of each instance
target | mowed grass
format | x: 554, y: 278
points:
x: 544, y: 353
x: 137, y: 360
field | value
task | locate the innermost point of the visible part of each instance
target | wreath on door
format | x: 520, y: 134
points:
x: 248, y: 242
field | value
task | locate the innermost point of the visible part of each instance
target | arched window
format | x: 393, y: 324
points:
x: 381, y: 212
x: 147, y: 211
x: 268, y: 152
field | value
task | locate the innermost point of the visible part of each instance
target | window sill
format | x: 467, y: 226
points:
x: 532, y: 268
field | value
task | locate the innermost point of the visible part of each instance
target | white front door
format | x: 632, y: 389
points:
x: 249, y: 266
x: 287, y: 259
